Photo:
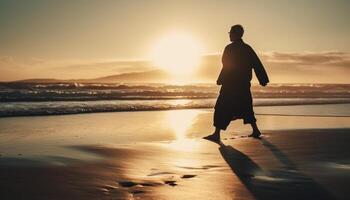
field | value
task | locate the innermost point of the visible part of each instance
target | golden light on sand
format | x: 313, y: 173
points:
x: 180, y: 121
x: 177, y: 53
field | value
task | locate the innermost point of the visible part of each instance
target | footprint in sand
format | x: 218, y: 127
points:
x: 188, y: 176
x: 239, y: 137
x: 127, y: 183
x: 160, y: 173
x: 151, y: 184
x: 137, y: 192
x: 171, y: 183
x: 130, y: 184
x: 204, y: 167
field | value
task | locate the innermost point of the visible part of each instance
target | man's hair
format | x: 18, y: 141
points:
x: 237, y: 30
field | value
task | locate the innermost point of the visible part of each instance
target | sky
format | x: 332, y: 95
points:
x: 91, y: 38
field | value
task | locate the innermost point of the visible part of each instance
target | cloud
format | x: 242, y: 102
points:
x: 291, y: 67
x: 6, y: 59
x: 308, y: 67
x: 334, y: 58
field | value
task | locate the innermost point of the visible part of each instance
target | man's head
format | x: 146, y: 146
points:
x: 236, y: 32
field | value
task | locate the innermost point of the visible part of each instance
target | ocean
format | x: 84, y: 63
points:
x: 31, y: 98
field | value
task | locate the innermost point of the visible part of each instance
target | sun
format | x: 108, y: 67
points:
x: 177, y: 53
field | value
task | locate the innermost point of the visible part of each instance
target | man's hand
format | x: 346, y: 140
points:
x: 263, y: 84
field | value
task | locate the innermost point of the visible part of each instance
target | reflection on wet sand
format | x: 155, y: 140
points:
x: 160, y: 156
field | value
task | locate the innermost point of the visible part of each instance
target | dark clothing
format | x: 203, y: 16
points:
x: 235, y: 99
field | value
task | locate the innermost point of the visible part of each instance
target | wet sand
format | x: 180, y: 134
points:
x: 160, y: 155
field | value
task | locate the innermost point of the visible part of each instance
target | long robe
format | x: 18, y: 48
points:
x: 235, y: 99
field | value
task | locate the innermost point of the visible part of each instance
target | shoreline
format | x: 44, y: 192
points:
x: 181, y: 104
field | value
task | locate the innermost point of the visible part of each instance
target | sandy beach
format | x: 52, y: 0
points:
x: 174, y: 100
x: 160, y: 155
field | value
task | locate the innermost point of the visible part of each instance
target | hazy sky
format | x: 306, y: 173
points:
x: 44, y: 34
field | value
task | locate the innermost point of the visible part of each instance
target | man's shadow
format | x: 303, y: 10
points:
x: 283, y: 184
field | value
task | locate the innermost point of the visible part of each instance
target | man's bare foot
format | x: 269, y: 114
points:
x: 213, y: 137
x: 255, y: 134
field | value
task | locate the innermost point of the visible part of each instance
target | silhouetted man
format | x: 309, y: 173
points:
x: 235, y: 99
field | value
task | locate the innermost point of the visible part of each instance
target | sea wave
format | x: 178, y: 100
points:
x: 8, y: 109
x: 33, y: 98
x: 16, y: 92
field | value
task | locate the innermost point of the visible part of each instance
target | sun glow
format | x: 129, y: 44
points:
x: 177, y: 53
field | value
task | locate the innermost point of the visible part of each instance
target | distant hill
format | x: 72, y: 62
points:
x: 153, y: 76
x: 39, y: 80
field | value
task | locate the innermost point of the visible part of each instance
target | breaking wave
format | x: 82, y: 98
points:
x: 30, y: 99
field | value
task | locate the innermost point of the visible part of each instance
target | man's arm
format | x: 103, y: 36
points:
x: 259, y: 69
x: 221, y: 78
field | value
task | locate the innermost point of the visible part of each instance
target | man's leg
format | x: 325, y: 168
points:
x: 221, y: 120
x: 256, y: 132
x: 215, y: 136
